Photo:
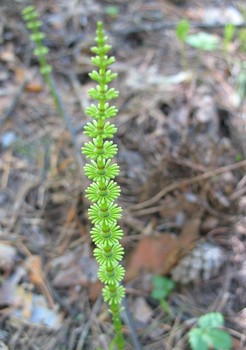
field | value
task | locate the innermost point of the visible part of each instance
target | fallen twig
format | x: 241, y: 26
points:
x: 182, y: 183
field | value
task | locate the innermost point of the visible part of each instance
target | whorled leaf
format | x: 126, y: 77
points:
x: 111, y: 236
x: 93, y: 130
x: 113, y: 297
x: 106, y: 253
x: 105, y: 172
x: 109, y: 216
x: 111, y: 277
x: 108, y: 191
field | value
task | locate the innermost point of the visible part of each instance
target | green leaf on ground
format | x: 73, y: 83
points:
x: 196, y: 340
x: 218, y: 338
x: 162, y: 287
x: 208, y: 335
x: 203, y: 41
x: 213, y: 319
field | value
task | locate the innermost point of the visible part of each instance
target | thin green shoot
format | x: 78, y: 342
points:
x: 162, y: 288
x: 182, y: 31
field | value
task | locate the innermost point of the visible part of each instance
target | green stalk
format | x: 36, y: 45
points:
x: 184, y: 56
x: 33, y: 23
x: 103, y: 191
x: 117, y: 326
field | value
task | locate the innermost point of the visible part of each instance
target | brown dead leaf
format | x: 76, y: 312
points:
x: 34, y: 86
x: 150, y: 254
x: 158, y: 254
x: 70, y: 215
x: 20, y: 74
x: 237, y: 343
x: 189, y: 234
x: 34, y: 264
x: 36, y: 275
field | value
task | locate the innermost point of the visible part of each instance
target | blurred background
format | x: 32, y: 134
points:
x: 182, y: 145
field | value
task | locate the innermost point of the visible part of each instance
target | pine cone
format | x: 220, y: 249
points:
x: 202, y: 263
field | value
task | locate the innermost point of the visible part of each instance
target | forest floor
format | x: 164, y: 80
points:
x: 182, y: 153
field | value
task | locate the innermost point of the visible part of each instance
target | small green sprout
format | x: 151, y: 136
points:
x: 182, y: 31
x: 112, y: 10
x: 242, y: 39
x: 162, y: 287
x: 209, y: 335
x: 241, y: 84
x: 228, y: 35
x: 238, y: 157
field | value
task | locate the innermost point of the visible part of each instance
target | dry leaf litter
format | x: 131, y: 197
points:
x: 180, y: 133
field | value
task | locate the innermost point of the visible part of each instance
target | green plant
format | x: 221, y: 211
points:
x: 103, y: 191
x: 33, y: 23
x: 162, y: 287
x: 241, y: 84
x: 208, y: 333
x: 203, y: 41
x: 30, y: 16
x: 238, y: 157
x: 182, y: 30
x: 112, y: 10
x: 242, y: 39
x: 229, y: 31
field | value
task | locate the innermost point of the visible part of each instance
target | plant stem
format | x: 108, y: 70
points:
x: 115, y: 309
x: 104, y: 213
x: 184, y: 56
